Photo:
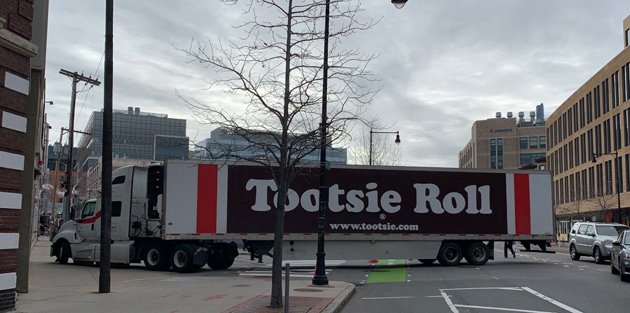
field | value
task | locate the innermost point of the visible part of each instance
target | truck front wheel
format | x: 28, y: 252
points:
x: 477, y: 253
x: 450, y: 254
x: 156, y: 258
x: 64, y: 252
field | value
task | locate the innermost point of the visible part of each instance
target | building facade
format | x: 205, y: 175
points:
x: 589, y: 145
x: 222, y: 142
x: 136, y: 135
x: 506, y: 143
x: 22, y: 63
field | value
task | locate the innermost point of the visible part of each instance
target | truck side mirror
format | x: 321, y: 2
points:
x: 616, y: 243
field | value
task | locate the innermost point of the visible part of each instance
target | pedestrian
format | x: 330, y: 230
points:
x: 509, y: 244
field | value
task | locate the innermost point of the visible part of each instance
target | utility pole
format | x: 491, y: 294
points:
x: 104, y: 280
x: 75, y: 79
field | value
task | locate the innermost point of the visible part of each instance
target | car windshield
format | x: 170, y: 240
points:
x: 609, y: 230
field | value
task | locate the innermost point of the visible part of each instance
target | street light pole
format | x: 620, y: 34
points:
x: 397, y: 141
x: 320, y: 266
x: 617, y: 177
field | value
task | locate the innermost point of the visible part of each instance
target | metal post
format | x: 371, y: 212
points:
x: 287, y: 279
x: 104, y: 281
x: 320, y: 266
x: 370, y: 158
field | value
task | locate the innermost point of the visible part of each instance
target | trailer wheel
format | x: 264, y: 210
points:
x: 450, y: 254
x: 156, y: 258
x: 64, y: 252
x: 182, y: 258
x: 477, y: 253
x: 221, y: 256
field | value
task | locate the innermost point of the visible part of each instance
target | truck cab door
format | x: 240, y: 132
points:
x: 89, y: 223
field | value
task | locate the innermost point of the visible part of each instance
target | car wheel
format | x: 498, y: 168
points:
x: 622, y: 272
x: 613, y: 269
x: 597, y: 255
x: 575, y: 256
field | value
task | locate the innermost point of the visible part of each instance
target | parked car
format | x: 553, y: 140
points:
x: 620, y: 256
x: 593, y: 239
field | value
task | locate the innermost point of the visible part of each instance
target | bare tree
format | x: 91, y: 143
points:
x: 277, y: 68
x: 603, y: 204
x: 380, y: 148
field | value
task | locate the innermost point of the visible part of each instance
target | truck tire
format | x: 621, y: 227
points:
x: 220, y: 257
x: 477, y: 253
x: 182, y: 258
x: 156, y: 258
x: 64, y: 252
x: 450, y: 254
x: 575, y: 256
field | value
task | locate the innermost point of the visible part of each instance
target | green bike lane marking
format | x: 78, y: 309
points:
x: 388, y: 275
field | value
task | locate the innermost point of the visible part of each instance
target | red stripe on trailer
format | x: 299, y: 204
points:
x: 207, y: 198
x: 522, y: 212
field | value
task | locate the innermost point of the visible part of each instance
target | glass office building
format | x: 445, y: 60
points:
x: 136, y: 135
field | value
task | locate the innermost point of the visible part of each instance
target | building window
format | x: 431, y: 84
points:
x: 618, y: 181
x: 607, y: 145
x: 617, y: 131
x: 589, y: 107
x: 609, y: 177
x: 606, y: 96
x: 615, y: 89
x: 627, y: 37
x: 582, y: 116
x: 589, y: 138
x: 625, y: 84
x: 584, y: 187
x: 591, y: 182
x: 496, y: 153
x: 523, y: 142
x: 598, y: 139
x: 530, y: 158
x: 570, y: 121
x: 542, y: 142
x: 576, y: 146
x: 583, y: 148
x: 533, y: 142
x: 600, y: 179
x: 571, y: 164
x: 596, y: 103
x: 576, y: 121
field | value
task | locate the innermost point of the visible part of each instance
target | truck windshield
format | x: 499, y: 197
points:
x: 610, y: 230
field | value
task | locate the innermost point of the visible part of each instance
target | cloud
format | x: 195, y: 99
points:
x: 443, y: 64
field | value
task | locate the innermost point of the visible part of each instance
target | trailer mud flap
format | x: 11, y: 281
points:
x: 200, y: 257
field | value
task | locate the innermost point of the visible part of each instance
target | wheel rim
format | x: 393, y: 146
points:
x: 479, y: 254
x: 451, y: 254
x: 598, y: 255
x: 573, y: 253
x: 180, y: 259
x: 153, y: 257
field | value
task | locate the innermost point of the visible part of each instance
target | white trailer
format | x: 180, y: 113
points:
x: 184, y: 214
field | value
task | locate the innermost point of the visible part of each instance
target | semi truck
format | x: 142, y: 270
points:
x: 181, y: 215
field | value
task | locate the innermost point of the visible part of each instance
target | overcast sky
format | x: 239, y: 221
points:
x: 444, y: 64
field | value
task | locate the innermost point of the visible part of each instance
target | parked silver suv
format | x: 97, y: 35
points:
x: 593, y: 239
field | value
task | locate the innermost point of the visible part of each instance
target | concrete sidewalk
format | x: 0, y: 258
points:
x: 71, y: 288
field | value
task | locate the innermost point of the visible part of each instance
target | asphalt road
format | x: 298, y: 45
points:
x: 532, y: 282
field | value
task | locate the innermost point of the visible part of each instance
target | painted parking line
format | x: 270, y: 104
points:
x: 388, y: 275
x: 454, y: 307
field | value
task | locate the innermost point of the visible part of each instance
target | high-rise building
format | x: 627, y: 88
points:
x: 136, y: 135
x: 589, y: 145
x: 222, y: 140
x: 506, y: 142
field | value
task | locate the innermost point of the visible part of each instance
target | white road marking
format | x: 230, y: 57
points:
x: 484, y: 288
x: 448, y: 301
x: 552, y: 301
x: 498, y: 309
x: 387, y: 298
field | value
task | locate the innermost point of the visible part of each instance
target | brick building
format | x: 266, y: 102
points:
x: 22, y: 118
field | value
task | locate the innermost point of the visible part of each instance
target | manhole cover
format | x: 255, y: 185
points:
x: 308, y: 290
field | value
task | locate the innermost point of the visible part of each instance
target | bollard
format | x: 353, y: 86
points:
x: 286, y: 288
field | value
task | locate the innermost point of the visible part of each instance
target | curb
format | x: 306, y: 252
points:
x: 340, y: 301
